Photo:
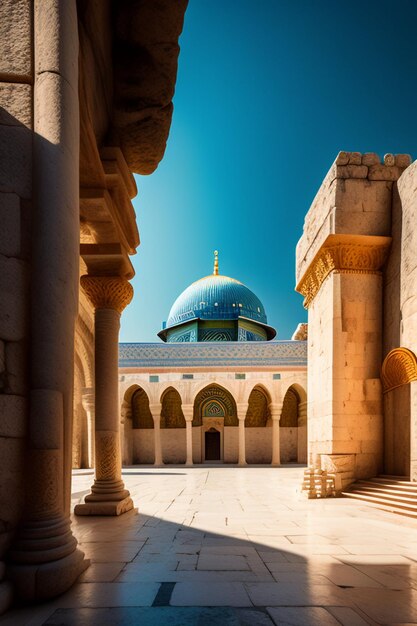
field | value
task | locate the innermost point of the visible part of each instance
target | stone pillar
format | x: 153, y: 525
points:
x: 126, y: 433
x: 44, y: 559
x: 188, y: 410
x: 342, y: 286
x: 242, y: 409
x: 89, y: 406
x: 109, y: 296
x: 276, y: 411
x: 302, y: 433
x: 156, y: 415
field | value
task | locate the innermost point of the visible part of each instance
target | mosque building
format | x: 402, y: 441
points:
x: 218, y: 388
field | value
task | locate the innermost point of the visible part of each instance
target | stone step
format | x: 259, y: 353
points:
x: 386, y: 488
x: 384, y: 503
x: 399, y: 498
x: 393, y: 481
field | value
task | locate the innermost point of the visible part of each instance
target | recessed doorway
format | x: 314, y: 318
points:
x: 212, y: 445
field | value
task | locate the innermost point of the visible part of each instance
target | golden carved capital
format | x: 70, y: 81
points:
x: 107, y: 292
x: 399, y: 368
x: 348, y: 254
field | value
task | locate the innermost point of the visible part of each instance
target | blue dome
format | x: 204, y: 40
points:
x: 216, y: 297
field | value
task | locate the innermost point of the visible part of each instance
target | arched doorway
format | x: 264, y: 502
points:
x: 173, y: 441
x: 215, y: 420
x: 258, y: 437
x: 293, y: 426
x: 142, y: 429
x: 399, y: 376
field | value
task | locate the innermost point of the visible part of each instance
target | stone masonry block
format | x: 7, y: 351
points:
x: 16, y: 39
x: 10, y: 224
x: 2, y: 357
x: 16, y: 160
x: 383, y: 172
x: 370, y: 158
x: 13, y: 416
x: 16, y: 368
x: 16, y: 104
x: 13, y: 307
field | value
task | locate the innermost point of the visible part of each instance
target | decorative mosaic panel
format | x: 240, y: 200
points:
x: 207, y: 398
x: 268, y: 354
x: 216, y: 334
x: 213, y: 408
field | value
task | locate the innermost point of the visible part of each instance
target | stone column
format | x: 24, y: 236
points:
x: 156, y: 415
x: 242, y: 409
x: 302, y: 433
x: 188, y: 410
x: 109, y: 296
x: 126, y: 433
x: 89, y: 405
x: 44, y: 560
x: 276, y: 411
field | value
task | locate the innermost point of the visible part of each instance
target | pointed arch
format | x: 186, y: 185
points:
x: 141, y: 413
x: 172, y: 415
x: 258, y: 413
x: 399, y: 368
x: 213, y: 400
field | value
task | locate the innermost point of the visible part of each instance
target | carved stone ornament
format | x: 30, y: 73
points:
x: 399, y: 368
x: 106, y: 292
x: 343, y: 254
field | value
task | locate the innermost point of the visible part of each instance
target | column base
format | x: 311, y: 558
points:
x: 42, y: 581
x: 106, y: 507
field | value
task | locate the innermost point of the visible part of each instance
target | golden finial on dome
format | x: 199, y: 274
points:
x: 216, y: 263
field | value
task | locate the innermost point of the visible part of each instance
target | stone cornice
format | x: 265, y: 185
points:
x: 353, y: 254
x: 107, y: 292
x: 398, y: 368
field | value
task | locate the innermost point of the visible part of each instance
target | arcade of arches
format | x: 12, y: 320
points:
x: 220, y: 429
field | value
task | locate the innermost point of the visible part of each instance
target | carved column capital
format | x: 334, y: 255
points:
x: 242, y: 409
x: 107, y: 292
x: 188, y: 411
x: 345, y: 254
x: 275, y: 409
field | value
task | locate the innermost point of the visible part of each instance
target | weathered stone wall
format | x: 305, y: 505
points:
x: 143, y: 445
x: 231, y: 444
x: 288, y: 444
x: 258, y: 445
x: 407, y: 191
x: 16, y: 115
x: 340, y: 259
x: 173, y: 445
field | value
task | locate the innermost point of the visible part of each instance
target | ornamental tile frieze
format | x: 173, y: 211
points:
x: 271, y: 354
x: 343, y: 254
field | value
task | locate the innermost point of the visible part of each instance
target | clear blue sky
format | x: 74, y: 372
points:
x: 267, y: 93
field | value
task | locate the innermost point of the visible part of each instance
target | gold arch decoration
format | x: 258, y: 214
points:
x: 141, y: 413
x: 258, y: 412
x: 343, y: 254
x: 214, y: 393
x: 399, y: 368
x: 172, y: 415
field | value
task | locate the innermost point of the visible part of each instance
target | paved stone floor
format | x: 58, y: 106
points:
x: 238, y: 547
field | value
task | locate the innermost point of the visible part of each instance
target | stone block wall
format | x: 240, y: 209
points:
x: 173, y: 445
x: 16, y: 123
x: 258, y: 445
x: 143, y: 445
x: 340, y: 271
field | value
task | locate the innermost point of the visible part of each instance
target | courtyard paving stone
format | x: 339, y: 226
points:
x: 236, y: 547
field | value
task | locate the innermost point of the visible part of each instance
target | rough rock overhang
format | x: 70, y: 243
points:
x: 145, y: 57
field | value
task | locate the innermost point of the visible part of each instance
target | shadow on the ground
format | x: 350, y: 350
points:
x: 155, y: 570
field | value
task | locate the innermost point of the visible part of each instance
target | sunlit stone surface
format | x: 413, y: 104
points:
x: 239, y: 540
